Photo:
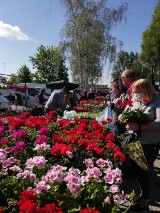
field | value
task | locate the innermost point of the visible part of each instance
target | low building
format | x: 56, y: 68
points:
x: 101, y: 87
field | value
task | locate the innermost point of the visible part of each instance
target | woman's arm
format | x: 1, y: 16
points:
x: 136, y: 127
x: 153, y: 125
x: 156, y: 123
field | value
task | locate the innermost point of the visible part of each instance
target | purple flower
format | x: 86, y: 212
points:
x: 4, y: 141
x: 19, y: 134
x: 42, y: 139
x: 1, y: 130
x: 44, y: 131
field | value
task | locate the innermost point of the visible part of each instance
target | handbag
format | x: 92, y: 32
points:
x: 133, y: 148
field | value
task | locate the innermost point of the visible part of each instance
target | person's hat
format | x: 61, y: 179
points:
x: 114, y: 80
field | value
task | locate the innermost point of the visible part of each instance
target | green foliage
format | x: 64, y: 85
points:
x: 131, y: 61
x: 62, y: 73
x: 134, y: 116
x: 150, y: 48
x: 88, y: 39
x: 24, y: 75
x: 49, y: 64
x: 3, y: 79
x: 12, y: 79
x: 88, y: 115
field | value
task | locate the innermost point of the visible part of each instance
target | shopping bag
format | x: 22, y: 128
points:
x: 134, y: 150
x: 103, y: 115
x: 106, y: 113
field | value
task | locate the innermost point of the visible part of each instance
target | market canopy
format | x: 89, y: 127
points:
x: 61, y: 84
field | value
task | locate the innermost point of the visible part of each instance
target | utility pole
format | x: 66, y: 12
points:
x: 4, y: 68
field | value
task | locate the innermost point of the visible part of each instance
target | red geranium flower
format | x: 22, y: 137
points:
x: 145, y: 101
x: 109, y: 120
x: 89, y: 210
x: 122, y: 104
x: 130, y: 103
x: 58, y: 139
x: 28, y: 206
x: 111, y: 136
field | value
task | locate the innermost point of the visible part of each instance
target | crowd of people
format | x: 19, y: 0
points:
x: 126, y: 88
x: 63, y: 99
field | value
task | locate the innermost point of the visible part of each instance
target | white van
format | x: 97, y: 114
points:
x: 5, y: 105
x: 27, y: 98
x: 30, y: 97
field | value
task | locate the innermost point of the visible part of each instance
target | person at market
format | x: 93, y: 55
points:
x: 116, y: 96
x: 83, y: 95
x: 90, y: 94
x: 149, y: 136
x: 38, y: 109
x: 73, y: 99
x: 41, y: 98
x: 58, y: 101
x: 11, y: 98
x: 128, y: 77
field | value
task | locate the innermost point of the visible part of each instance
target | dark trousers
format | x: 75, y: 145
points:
x: 143, y: 177
x: 120, y: 129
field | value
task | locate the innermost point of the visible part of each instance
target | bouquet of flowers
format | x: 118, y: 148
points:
x: 131, y: 144
x: 137, y: 115
x: 134, y: 116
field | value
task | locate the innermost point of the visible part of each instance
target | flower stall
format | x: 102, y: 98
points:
x: 59, y: 165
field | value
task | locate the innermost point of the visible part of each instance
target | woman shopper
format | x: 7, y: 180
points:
x: 41, y: 98
x: 149, y: 138
x: 117, y: 95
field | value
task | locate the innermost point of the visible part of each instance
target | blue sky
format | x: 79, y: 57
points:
x: 27, y: 24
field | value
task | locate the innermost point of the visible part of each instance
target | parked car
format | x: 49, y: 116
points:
x: 5, y: 105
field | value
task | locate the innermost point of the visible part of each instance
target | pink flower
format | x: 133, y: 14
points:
x: 3, y: 155
x: 101, y: 163
x: 38, y: 161
x: 117, y: 199
x: 8, y: 162
x: 42, y: 147
x: 107, y: 200
x: 89, y: 163
x: 114, y: 189
x: 15, y: 168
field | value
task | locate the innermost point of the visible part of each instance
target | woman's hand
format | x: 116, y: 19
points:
x: 120, y: 118
x: 132, y: 126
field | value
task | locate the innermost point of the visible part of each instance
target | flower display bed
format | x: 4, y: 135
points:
x: 59, y: 165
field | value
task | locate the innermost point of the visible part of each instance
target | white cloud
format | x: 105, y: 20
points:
x: 12, y: 32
